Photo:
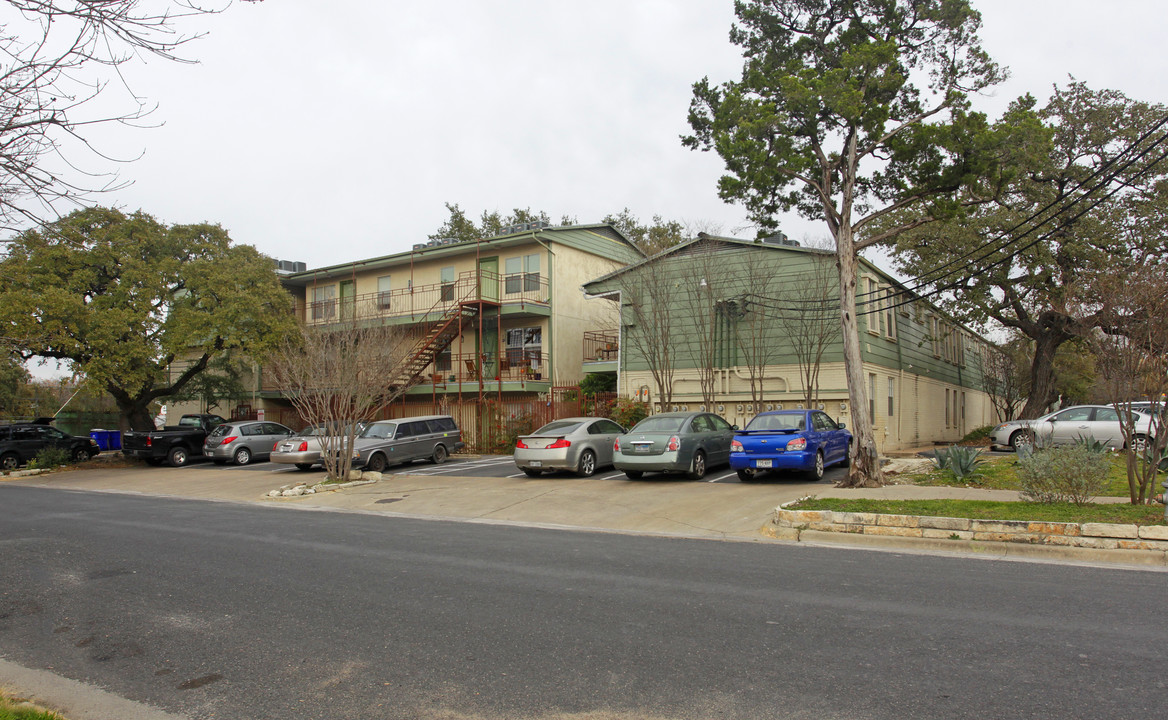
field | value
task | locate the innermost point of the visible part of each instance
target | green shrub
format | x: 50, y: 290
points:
x: 960, y: 461
x: 627, y: 412
x: 50, y: 457
x: 978, y: 436
x: 594, y: 383
x: 1069, y: 473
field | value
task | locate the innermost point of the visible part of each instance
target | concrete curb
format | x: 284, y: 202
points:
x: 1085, y: 542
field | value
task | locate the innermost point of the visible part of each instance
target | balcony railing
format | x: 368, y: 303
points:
x: 422, y: 302
x: 601, y: 345
x: 512, y: 365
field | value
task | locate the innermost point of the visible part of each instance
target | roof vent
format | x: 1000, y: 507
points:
x: 779, y: 239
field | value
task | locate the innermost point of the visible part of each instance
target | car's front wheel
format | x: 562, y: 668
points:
x: 1021, y: 438
x: 377, y: 463
x: 80, y: 455
x: 9, y: 461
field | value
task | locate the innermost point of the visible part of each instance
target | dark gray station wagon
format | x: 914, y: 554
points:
x: 392, y: 442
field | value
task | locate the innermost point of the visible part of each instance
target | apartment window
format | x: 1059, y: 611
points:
x: 442, y: 363
x: 875, y: 320
x: 521, y: 274
x: 525, y: 347
x: 513, y: 275
x: 447, y: 276
x: 383, y: 292
x: 889, y: 313
x: 935, y: 335
x: 872, y: 398
x: 948, y: 410
x: 324, y: 304
x: 891, y: 397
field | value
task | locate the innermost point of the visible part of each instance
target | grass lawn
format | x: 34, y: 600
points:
x: 13, y: 709
x: 1000, y: 473
x: 991, y: 510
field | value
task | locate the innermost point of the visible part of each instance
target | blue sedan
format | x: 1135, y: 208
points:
x: 805, y: 440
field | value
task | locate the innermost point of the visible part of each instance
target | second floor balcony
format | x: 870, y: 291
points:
x: 417, y: 303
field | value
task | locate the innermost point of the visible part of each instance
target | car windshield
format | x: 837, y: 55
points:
x: 559, y: 427
x: 777, y: 422
x: 379, y: 431
x: 659, y: 424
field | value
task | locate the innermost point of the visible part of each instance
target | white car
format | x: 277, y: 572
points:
x: 1066, y: 426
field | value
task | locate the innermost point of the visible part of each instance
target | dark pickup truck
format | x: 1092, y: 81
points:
x: 175, y: 444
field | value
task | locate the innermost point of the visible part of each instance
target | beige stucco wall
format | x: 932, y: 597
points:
x: 918, y: 414
x: 573, y: 313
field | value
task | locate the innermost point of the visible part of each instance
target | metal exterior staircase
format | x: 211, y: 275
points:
x: 440, y: 334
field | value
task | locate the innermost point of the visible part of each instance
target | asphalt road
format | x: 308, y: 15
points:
x: 222, y: 610
x: 499, y: 466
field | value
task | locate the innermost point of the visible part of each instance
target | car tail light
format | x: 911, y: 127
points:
x: 674, y: 443
x: 303, y: 446
x: 797, y: 444
x: 616, y: 445
x: 149, y: 441
x: 520, y: 445
x: 736, y: 446
x: 275, y: 445
x: 230, y: 439
x: 561, y: 443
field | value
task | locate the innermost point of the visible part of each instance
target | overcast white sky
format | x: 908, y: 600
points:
x: 334, y: 132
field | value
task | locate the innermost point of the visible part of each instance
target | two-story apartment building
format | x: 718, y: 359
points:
x: 503, y: 319
x: 738, y: 309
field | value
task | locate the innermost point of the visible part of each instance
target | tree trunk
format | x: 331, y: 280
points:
x: 1042, y: 380
x: 865, y: 466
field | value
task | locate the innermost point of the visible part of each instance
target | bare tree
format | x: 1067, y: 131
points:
x: 1004, y: 375
x: 342, y: 373
x: 1132, y: 354
x: 54, y: 55
x: 651, y: 331
x: 705, y: 275
x: 810, y: 316
x: 756, y: 328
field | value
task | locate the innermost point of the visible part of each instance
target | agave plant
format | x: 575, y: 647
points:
x: 960, y: 461
x: 1095, y: 446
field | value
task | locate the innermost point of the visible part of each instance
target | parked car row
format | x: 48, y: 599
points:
x: 690, y: 443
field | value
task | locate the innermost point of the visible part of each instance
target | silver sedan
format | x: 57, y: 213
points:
x: 1063, y: 427
x: 580, y: 445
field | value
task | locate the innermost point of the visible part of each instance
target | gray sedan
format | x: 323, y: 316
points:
x: 674, y: 442
x: 1063, y: 427
x: 580, y: 444
x: 304, y: 448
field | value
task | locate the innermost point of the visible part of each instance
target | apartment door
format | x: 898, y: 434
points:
x: 348, y: 298
x: 489, y: 278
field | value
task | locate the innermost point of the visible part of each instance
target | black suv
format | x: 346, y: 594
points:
x: 21, y: 442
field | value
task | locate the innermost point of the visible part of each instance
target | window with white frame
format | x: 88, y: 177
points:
x: 872, y: 398
x: 891, y: 397
x: 324, y: 304
x: 525, y: 348
x: 383, y: 292
x: 521, y: 274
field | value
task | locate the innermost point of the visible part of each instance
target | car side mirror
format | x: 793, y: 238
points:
x: 733, y: 427
x: 841, y: 425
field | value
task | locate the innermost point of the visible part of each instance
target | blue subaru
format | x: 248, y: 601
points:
x: 804, y: 440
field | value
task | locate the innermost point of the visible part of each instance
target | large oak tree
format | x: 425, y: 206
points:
x: 849, y: 111
x: 124, y: 300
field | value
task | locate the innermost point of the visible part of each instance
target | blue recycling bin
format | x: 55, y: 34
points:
x: 107, y: 439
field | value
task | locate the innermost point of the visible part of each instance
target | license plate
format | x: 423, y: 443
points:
x: 642, y: 448
x: 762, y: 463
x: 536, y: 463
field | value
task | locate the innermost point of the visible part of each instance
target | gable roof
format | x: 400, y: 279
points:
x: 598, y: 239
